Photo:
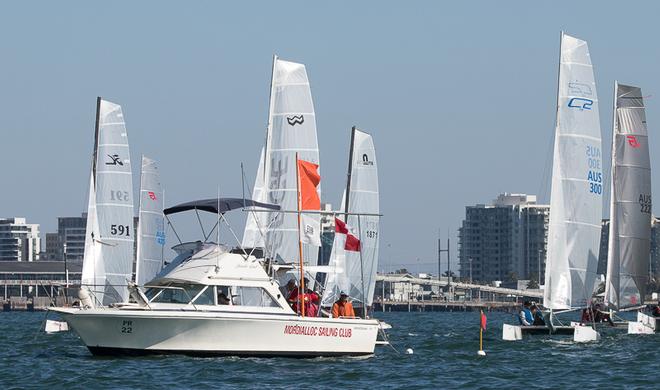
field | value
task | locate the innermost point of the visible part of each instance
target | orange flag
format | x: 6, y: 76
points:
x: 309, y: 179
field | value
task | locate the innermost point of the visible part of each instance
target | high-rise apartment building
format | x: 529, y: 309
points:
x: 504, y: 241
x: 19, y: 240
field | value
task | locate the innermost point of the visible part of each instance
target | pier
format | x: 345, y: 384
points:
x: 405, y: 292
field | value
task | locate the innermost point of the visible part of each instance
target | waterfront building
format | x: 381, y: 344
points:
x: 71, y: 238
x: 19, y: 240
x: 36, y: 279
x: 506, y: 240
x: 52, y: 247
x: 654, y: 264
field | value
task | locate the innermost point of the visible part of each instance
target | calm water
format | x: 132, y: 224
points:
x: 444, y: 345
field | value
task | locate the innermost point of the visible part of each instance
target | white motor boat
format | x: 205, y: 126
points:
x: 216, y: 301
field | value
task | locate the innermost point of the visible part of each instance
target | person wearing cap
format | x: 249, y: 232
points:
x: 342, y: 307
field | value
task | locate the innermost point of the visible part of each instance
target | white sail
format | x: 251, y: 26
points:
x: 630, y: 208
x: 91, y: 257
x: 151, y: 224
x: 109, y: 266
x: 291, y: 130
x: 357, y: 270
x: 255, y: 225
x: 577, y: 183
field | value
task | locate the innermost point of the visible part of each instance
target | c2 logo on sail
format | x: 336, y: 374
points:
x: 580, y: 103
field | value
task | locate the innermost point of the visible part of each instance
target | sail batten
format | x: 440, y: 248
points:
x: 630, y: 206
x: 577, y: 181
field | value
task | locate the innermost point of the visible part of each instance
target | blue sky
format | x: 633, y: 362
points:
x: 460, y: 96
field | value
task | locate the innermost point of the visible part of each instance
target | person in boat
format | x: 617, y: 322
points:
x: 601, y: 316
x: 311, y: 299
x: 291, y: 294
x: 525, y: 316
x: 586, y: 317
x: 655, y: 311
x: 342, y: 307
x: 222, y: 299
x: 537, y: 315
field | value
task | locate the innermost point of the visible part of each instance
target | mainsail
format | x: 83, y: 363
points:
x: 291, y: 130
x: 630, y: 208
x: 151, y: 224
x: 109, y: 251
x: 577, y: 183
x: 356, y: 271
x: 255, y: 225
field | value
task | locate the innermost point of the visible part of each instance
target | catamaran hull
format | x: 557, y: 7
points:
x: 121, y: 332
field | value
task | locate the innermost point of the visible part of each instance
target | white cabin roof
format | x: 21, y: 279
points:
x: 214, y: 265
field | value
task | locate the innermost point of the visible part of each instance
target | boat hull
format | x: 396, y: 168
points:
x: 136, y: 332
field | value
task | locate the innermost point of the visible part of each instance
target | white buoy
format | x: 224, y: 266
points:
x: 409, y: 351
x: 481, y: 353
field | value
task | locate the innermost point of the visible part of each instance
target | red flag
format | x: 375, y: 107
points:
x: 340, y: 226
x: 483, y: 321
x: 309, y: 179
x: 352, y: 243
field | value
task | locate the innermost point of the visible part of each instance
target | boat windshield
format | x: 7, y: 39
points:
x: 200, y: 294
x: 174, y: 293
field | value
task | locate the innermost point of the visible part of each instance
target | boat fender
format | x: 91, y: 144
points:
x: 85, y: 299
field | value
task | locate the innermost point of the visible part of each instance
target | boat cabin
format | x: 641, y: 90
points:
x: 215, y: 278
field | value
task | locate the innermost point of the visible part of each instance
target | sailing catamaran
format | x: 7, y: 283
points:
x: 628, y: 253
x: 576, y: 195
x: 354, y: 272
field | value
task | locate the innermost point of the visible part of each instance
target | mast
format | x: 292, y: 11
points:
x: 269, y: 125
x: 350, y: 173
x: 301, y: 294
x: 612, y: 295
x: 140, y: 222
x: 96, y: 138
x: 548, y: 265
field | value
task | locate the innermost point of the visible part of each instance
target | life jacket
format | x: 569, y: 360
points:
x: 529, y: 318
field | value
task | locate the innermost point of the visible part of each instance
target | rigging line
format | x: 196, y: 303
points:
x: 200, y: 219
x: 252, y: 213
x: 169, y: 223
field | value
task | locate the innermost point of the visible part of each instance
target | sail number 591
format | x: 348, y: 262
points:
x: 120, y: 230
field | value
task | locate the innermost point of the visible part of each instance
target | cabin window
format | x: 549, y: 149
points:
x: 252, y: 296
x: 207, y: 297
x: 177, y: 293
x: 224, y: 297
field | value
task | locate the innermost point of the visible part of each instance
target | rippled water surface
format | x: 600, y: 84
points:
x: 444, y: 345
